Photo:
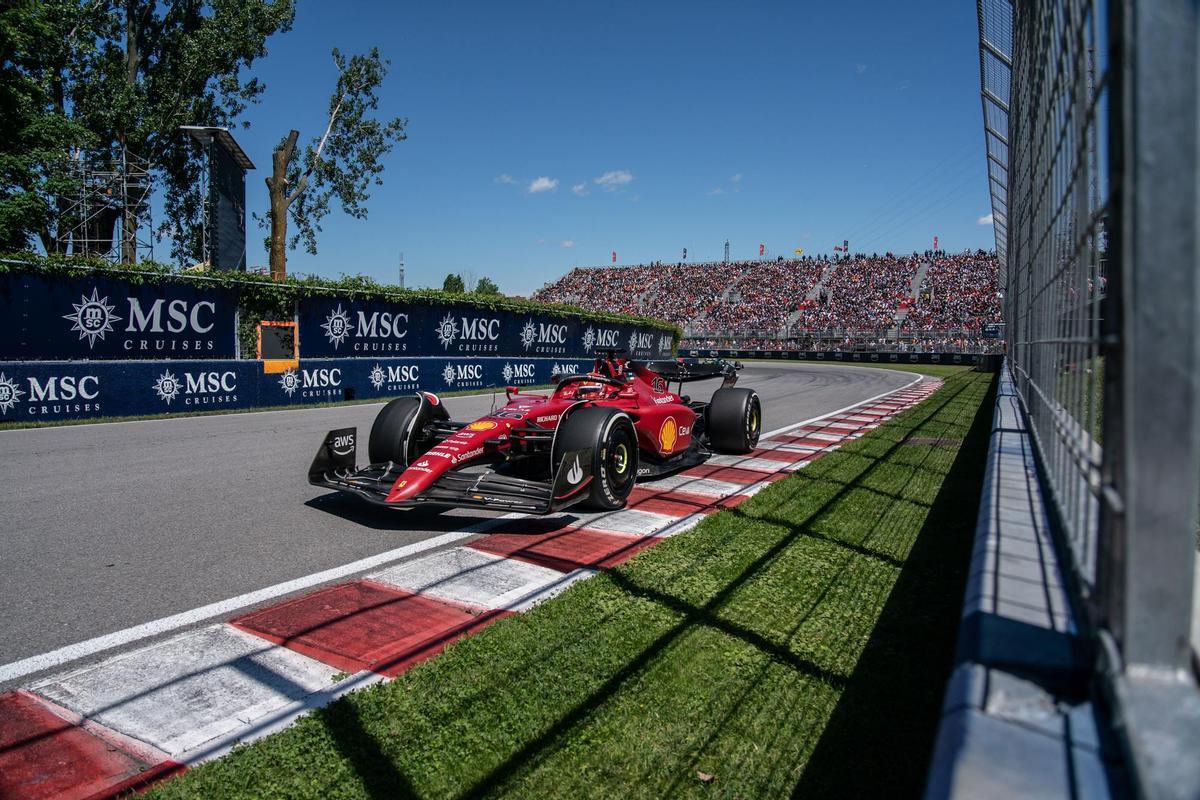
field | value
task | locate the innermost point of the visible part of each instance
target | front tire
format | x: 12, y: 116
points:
x: 396, y: 432
x: 610, y: 435
x: 734, y: 420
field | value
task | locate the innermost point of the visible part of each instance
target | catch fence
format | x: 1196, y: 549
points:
x: 1090, y: 126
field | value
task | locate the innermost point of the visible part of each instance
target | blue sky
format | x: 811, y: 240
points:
x: 793, y: 124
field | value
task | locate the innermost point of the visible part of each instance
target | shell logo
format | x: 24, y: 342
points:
x: 481, y: 425
x: 668, y: 434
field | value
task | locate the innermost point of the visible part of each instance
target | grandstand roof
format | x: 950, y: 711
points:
x: 995, y: 80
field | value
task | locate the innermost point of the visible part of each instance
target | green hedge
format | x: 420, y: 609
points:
x: 264, y: 298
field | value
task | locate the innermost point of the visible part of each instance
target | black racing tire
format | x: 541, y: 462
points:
x: 390, y: 440
x: 613, y: 439
x: 734, y: 420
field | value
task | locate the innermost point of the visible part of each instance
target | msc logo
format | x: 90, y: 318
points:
x: 564, y: 369
x: 198, y: 388
x: 519, y: 372
x: 549, y: 337
x: 10, y: 393
x: 320, y: 382
x: 640, y: 341
x: 62, y: 393
x: 94, y: 317
x: 664, y: 343
x: 337, y: 326
x: 472, y: 333
x: 179, y: 317
x: 384, y: 325
x: 409, y: 374
x: 465, y: 375
x: 600, y: 338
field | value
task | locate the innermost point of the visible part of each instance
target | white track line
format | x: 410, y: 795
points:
x: 917, y: 379
x: 62, y: 655
x: 90, y: 647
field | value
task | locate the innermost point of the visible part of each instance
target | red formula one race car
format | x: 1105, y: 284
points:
x: 587, y: 442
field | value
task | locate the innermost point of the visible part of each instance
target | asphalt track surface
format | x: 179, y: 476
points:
x: 107, y: 526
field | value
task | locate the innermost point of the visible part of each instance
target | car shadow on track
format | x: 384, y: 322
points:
x: 415, y: 519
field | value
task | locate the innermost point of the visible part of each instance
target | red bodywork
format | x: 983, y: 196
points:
x: 664, y: 424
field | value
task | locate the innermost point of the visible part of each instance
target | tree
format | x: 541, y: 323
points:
x: 343, y: 163
x: 37, y: 138
x: 129, y: 73
x: 487, y: 286
x: 453, y: 283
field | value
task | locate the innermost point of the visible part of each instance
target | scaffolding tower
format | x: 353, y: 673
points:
x: 110, y: 186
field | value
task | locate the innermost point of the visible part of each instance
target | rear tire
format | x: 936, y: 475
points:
x: 390, y: 439
x: 734, y: 420
x: 611, y: 436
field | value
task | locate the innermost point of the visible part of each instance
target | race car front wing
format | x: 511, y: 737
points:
x: 336, y: 467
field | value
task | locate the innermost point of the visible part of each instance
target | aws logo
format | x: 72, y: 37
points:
x: 343, y: 445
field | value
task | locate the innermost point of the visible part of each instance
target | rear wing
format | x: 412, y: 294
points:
x: 689, y: 370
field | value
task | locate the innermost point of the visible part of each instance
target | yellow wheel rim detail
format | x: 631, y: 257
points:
x: 620, y: 459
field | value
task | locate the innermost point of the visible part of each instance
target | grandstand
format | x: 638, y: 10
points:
x: 919, y: 302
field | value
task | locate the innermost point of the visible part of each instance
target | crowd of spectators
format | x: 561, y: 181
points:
x: 841, y: 303
x: 862, y: 293
x: 959, y: 342
x: 959, y: 292
x: 600, y: 288
x: 765, y: 296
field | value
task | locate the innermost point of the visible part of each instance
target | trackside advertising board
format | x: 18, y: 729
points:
x: 32, y: 392
x: 337, y: 328
x: 49, y: 317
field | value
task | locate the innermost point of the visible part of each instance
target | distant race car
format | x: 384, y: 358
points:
x: 586, y: 443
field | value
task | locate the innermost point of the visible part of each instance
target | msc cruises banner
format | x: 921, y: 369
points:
x: 58, y: 317
x: 31, y: 391
x: 332, y: 328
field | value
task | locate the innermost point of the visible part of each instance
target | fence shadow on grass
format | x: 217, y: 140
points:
x: 944, y: 540
x: 879, y: 739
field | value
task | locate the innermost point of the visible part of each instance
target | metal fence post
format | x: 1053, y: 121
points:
x: 1152, y: 382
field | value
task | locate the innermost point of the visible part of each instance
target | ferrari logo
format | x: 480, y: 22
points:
x: 668, y: 434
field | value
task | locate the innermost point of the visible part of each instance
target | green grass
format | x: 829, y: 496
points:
x: 936, y: 370
x: 797, y: 645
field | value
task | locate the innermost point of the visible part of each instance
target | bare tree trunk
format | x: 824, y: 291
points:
x: 56, y: 243
x: 277, y: 187
x: 129, y: 220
